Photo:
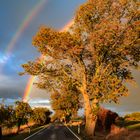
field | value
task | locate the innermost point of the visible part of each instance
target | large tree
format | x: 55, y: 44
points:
x: 96, y: 54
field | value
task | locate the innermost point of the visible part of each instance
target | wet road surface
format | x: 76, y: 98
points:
x: 54, y: 132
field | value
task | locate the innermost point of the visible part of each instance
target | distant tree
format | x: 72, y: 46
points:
x: 96, y: 54
x: 10, y: 116
x: 23, y: 112
x: 6, y: 116
x: 59, y: 115
x: 2, y: 118
x: 65, y: 103
x: 41, y: 116
x: 133, y: 116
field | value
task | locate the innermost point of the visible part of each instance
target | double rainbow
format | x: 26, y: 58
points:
x: 27, y: 20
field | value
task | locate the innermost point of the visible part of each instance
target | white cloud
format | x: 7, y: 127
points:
x: 39, y: 101
x: 4, y: 58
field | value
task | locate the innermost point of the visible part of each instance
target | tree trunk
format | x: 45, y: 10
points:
x: 90, y: 125
x: 90, y: 117
x: 19, y: 124
x: 89, y: 107
x: 0, y: 132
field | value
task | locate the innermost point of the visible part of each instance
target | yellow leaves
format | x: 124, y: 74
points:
x: 105, y: 33
x: 49, y: 41
x: 123, y: 2
x: 96, y: 51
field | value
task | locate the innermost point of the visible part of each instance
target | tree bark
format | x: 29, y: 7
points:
x: 90, y: 117
x: 90, y: 125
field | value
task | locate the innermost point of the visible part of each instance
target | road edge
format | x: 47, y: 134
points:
x: 35, y: 133
x: 72, y: 132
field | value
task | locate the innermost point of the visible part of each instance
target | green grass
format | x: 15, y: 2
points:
x: 130, y: 124
x: 22, y: 135
x: 134, y: 127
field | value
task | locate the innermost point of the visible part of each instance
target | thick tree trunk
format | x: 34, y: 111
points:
x: 89, y: 107
x: 90, y: 117
x: 90, y: 125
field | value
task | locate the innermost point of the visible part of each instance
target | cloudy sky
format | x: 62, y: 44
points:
x: 20, y: 20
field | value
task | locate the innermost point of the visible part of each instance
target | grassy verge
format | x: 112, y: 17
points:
x: 134, y: 127
x: 23, y: 134
x: 130, y: 124
x: 99, y: 135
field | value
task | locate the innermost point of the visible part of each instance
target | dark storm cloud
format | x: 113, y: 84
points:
x: 10, y: 93
x: 11, y: 87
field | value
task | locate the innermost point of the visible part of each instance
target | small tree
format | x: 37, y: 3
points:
x: 23, y: 112
x: 10, y: 116
x: 41, y: 116
x: 96, y: 54
x: 6, y: 116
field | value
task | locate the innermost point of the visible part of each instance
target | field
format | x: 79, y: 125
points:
x: 129, y: 131
x: 25, y: 132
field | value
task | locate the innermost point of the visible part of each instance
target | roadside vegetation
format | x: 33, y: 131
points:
x: 123, y: 128
x: 20, y: 120
x: 23, y: 133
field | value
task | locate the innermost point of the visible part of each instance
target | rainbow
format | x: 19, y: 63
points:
x: 31, y: 80
x: 35, y: 10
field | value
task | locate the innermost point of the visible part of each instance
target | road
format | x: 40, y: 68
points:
x: 54, y: 132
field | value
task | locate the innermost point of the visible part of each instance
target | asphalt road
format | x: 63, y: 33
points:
x: 54, y: 132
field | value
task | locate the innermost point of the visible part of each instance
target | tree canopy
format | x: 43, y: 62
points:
x: 66, y: 103
x: 23, y: 112
x: 96, y: 54
x: 41, y: 116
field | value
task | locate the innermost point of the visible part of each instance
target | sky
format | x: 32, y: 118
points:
x: 20, y: 20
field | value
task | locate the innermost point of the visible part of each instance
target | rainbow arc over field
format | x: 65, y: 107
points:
x: 27, y: 20
x: 32, y: 78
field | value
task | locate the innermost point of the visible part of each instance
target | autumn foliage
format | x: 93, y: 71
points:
x: 95, y: 55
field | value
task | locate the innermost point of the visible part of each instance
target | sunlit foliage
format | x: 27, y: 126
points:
x: 41, y: 115
x: 95, y: 55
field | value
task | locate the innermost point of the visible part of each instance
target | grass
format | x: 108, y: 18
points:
x: 130, y: 124
x: 13, y: 130
x: 134, y: 126
x: 23, y: 134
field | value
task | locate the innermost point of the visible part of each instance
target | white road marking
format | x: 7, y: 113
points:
x: 35, y: 133
x: 53, y: 136
x: 73, y: 133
